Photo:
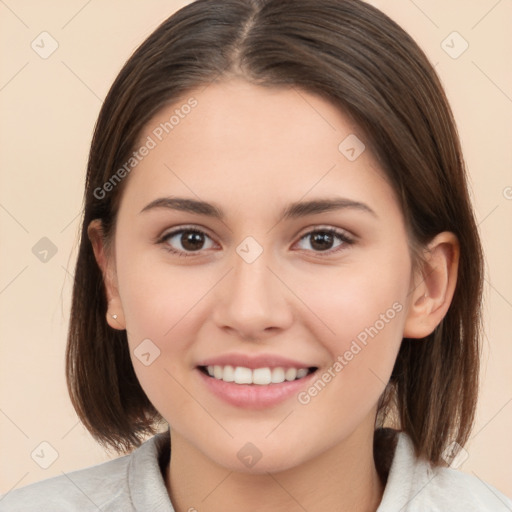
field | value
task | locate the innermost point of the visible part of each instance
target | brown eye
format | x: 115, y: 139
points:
x: 192, y: 241
x: 323, y: 240
x: 187, y: 240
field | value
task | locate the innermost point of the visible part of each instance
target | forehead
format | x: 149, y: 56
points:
x: 243, y: 116
x: 234, y: 139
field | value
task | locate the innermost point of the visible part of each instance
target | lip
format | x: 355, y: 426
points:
x: 254, y: 396
x: 254, y: 361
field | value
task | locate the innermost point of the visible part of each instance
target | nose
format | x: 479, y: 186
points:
x: 252, y: 301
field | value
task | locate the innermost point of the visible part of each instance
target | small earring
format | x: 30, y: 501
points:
x: 114, y: 317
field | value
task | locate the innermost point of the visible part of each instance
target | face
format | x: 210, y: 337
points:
x: 297, y: 268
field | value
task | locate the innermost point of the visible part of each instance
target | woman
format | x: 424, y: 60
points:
x: 278, y: 259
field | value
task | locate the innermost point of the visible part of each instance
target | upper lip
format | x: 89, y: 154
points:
x: 254, y: 361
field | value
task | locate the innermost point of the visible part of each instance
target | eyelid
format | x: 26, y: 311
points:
x: 326, y: 227
x: 186, y: 227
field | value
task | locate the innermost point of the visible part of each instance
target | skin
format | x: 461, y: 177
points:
x: 251, y: 151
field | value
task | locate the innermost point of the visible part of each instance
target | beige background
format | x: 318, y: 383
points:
x: 48, y: 110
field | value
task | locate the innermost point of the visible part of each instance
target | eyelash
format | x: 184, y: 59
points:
x: 341, y: 235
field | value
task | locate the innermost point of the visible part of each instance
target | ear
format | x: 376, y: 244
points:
x: 106, y: 263
x: 434, y: 286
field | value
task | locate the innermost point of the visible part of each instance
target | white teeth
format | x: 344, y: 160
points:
x: 243, y: 375
x: 290, y: 374
x: 302, y: 373
x: 217, y: 372
x: 259, y: 376
x: 228, y: 374
x: 277, y: 375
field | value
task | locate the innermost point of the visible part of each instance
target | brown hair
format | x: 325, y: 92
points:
x: 364, y: 63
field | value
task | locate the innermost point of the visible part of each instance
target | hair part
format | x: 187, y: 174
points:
x: 364, y: 63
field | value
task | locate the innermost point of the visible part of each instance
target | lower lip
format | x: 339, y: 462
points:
x: 254, y: 396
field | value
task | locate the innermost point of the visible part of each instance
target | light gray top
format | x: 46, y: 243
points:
x: 135, y: 482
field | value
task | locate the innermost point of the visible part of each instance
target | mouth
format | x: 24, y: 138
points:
x: 254, y: 381
x: 264, y: 376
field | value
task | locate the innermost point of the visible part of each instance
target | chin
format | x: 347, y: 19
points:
x: 257, y: 461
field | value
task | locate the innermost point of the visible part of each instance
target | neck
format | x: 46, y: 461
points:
x: 342, y: 479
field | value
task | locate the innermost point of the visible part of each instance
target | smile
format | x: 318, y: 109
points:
x: 259, y: 387
x: 258, y: 376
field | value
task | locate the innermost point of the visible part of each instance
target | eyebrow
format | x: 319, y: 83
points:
x: 292, y: 211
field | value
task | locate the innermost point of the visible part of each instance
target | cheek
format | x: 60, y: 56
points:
x: 163, y: 307
x: 362, y: 311
x: 155, y: 294
x: 351, y: 300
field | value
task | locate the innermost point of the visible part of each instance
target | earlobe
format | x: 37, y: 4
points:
x: 114, y: 315
x: 433, y: 286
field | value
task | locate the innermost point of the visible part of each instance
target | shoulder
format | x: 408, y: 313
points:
x: 414, y: 485
x: 107, y: 486
x: 464, y: 492
x: 86, y: 489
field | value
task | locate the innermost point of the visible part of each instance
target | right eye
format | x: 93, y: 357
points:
x: 186, y: 241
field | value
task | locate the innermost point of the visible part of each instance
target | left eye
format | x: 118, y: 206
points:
x: 323, y: 240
